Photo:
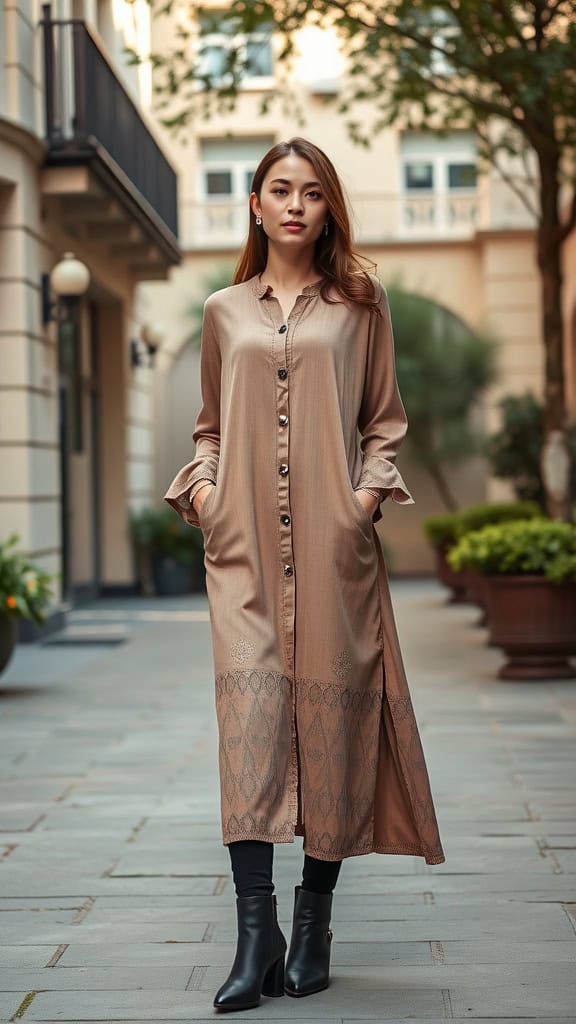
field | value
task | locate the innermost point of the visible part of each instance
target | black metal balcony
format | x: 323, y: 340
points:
x: 91, y: 119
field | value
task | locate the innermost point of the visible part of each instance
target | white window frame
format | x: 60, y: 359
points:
x: 224, y: 41
x: 440, y: 160
x: 434, y: 208
x: 236, y: 168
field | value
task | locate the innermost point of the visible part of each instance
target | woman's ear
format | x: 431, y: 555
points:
x: 255, y: 205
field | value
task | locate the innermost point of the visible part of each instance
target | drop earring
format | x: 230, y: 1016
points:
x: 326, y: 226
x: 258, y: 221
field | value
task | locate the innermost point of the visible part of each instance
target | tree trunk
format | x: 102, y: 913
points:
x: 555, y: 461
x: 445, y: 491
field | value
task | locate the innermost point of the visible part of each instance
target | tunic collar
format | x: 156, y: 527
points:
x: 263, y: 290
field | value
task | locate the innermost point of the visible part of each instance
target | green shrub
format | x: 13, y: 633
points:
x: 163, y: 534
x: 490, y: 513
x: 25, y: 589
x: 448, y: 528
x: 441, y: 529
x: 515, y: 449
x: 541, y: 546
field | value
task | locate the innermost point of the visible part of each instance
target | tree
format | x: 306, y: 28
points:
x: 502, y: 68
x: 443, y: 368
x: 514, y: 449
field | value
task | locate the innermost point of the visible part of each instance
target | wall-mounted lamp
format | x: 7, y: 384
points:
x: 151, y: 337
x: 67, y: 281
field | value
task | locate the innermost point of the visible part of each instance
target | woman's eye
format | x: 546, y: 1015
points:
x: 314, y: 195
x: 279, y: 191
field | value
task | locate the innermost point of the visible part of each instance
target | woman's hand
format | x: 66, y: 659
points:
x: 368, y: 500
x: 203, y: 491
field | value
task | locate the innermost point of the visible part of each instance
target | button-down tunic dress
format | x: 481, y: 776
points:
x: 317, y: 732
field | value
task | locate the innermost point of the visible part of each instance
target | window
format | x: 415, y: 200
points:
x: 418, y: 175
x: 227, y: 166
x: 438, y: 164
x: 218, y: 183
x: 461, y: 175
x: 438, y: 25
x: 220, y: 37
x: 437, y: 176
x: 259, y: 56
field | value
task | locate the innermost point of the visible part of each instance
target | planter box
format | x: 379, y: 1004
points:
x: 8, y: 635
x: 534, y: 622
x: 170, y: 577
x: 453, y: 580
x: 476, y: 592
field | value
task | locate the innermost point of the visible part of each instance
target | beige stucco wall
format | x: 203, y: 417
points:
x: 33, y: 236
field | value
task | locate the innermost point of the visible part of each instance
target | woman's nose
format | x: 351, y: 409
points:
x: 295, y: 205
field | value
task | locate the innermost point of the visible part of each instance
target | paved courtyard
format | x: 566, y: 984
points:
x: 116, y: 902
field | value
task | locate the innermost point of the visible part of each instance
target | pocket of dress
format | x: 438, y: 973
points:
x: 204, y: 510
x: 366, y: 517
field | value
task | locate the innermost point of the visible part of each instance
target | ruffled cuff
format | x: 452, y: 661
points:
x: 183, y: 488
x: 382, y: 476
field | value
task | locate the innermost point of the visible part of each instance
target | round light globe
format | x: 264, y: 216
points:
x: 152, y: 334
x: 70, y: 277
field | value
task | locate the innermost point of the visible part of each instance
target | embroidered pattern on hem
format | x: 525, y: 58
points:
x: 261, y: 711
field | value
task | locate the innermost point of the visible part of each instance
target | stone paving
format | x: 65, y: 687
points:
x: 116, y: 902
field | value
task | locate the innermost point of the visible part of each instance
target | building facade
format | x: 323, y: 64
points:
x: 421, y: 213
x: 81, y: 170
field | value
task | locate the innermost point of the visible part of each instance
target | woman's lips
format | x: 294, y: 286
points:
x: 294, y: 228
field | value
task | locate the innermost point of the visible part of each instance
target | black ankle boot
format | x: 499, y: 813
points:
x: 308, y: 963
x: 258, y: 967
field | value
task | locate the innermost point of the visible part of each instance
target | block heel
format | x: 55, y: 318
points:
x: 258, y: 967
x: 273, y: 984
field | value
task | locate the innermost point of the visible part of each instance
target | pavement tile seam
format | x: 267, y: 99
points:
x: 132, y: 800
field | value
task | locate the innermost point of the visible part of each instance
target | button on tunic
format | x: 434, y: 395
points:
x: 317, y: 732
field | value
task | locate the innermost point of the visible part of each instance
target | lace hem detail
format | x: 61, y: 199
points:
x: 338, y: 727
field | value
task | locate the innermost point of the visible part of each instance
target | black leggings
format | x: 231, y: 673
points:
x: 252, y: 862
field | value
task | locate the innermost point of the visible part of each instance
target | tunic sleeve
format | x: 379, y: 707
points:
x: 382, y: 420
x: 204, y: 467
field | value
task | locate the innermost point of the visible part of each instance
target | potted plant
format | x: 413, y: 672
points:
x: 514, y: 450
x: 485, y: 514
x: 174, y: 551
x: 530, y: 572
x: 442, y: 533
x: 24, y: 594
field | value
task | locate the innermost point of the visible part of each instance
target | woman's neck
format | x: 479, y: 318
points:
x: 296, y: 272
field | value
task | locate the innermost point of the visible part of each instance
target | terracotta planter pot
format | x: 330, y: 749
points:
x: 8, y: 634
x: 453, y: 580
x: 534, y: 622
x: 476, y: 592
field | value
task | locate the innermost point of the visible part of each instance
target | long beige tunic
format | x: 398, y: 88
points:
x: 317, y: 733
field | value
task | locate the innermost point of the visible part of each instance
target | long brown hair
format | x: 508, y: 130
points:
x: 334, y: 256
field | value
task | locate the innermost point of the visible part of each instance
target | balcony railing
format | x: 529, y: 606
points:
x: 377, y: 218
x: 89, y: 113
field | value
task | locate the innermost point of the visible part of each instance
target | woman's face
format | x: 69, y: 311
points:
x: 292, y: 205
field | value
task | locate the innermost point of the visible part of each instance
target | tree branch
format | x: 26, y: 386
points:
x: 506, y: 176
x: 440, y: 85
x: 510, y: 22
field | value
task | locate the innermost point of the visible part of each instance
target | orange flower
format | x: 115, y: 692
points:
x: 11, y: 601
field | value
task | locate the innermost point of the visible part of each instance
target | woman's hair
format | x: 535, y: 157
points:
x: 335, y: 258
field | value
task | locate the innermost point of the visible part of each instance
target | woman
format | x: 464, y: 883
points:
x: 317, y: 732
